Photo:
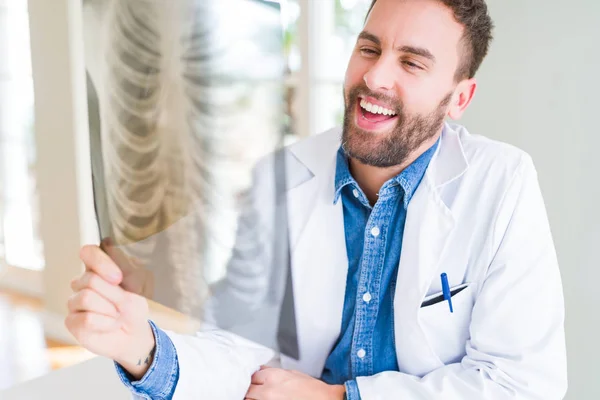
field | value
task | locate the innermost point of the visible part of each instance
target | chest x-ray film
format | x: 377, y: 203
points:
x: 185, y: 97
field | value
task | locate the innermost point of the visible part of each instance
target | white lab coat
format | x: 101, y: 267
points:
x: 478, y: 215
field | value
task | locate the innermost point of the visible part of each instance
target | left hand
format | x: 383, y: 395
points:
x: 280, y: 384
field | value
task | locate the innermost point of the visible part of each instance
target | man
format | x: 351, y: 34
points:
x: 422, y: 258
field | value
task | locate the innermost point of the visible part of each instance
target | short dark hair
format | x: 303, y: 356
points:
x: 474, y: 17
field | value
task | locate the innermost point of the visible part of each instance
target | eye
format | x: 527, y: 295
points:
x: 368, y: 52
x: 411, y: 65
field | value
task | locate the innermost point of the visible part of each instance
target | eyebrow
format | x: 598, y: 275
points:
x: 418, y: 51
x: 369, y: 36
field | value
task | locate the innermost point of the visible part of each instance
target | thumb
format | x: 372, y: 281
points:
x: 126, y: 264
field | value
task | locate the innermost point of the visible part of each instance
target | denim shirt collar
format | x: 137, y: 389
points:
x: 408, y: 179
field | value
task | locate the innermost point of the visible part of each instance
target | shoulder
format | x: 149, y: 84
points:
x: 479, y: 148
x: 317, y: 148
x: 496, y: 174
x: 490, y: 157
x: 313, y: 152
x: 299, y: 161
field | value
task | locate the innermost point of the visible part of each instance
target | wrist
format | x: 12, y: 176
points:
x: 338, y: 392
x: 139, y: 359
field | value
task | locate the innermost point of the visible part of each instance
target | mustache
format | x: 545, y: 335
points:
x: 361, y: 90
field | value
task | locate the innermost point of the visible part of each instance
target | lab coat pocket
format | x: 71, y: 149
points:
x: 446, y: 332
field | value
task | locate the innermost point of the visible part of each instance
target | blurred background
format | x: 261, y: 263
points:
x: 272, y: 71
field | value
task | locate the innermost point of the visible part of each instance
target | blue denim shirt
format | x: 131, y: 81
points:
x: 373, y: 244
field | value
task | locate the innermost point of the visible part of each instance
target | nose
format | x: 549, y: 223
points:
x: 380, y: 76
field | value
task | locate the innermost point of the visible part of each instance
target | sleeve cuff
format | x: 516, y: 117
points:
x: 161, y: 378
x: 352, y: 392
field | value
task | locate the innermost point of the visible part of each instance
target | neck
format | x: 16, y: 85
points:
x: 371, y: 179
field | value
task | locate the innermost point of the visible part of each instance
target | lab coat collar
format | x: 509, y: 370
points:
x: 448, y: 162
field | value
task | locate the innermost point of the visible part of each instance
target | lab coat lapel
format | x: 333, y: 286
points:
x: 429, y: 224
x: 319, y: 258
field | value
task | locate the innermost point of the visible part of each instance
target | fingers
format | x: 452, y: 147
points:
x: 258, y: 378
x: 82, y: 323
x: 88, y: 300
x: 90, y: 280
x: 265, y: 381
x: 98, y: 261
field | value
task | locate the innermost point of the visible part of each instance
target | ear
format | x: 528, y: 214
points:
x: 463, y: 95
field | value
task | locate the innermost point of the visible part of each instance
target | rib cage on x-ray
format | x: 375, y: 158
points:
x: 170, y: 140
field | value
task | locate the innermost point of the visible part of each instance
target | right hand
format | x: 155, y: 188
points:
x: 105, y: 318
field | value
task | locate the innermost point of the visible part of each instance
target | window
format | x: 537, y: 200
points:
x: 20, y: 244
x: 319, y: 39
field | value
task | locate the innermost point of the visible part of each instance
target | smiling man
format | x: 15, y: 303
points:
x: 422, y: 259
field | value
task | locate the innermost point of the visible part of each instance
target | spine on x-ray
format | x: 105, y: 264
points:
x: 158, y: 135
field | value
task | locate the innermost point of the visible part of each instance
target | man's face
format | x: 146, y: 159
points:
x: 400, y: 80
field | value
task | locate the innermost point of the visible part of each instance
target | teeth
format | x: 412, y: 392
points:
x: 375, y: 109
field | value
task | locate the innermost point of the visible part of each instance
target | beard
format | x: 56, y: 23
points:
x: 410, y: 132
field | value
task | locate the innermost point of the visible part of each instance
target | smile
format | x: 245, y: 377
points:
x: 375, y: 109
x: 373, y: 116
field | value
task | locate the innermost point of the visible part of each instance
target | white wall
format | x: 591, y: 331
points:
x: 540, y: 90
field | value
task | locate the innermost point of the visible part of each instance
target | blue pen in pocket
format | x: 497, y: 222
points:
x: 446, y: 291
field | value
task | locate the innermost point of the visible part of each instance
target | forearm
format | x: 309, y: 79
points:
x: 216, y: 364
x: 465, y: 380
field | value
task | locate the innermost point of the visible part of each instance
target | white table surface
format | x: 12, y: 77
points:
x: 94, y: 379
